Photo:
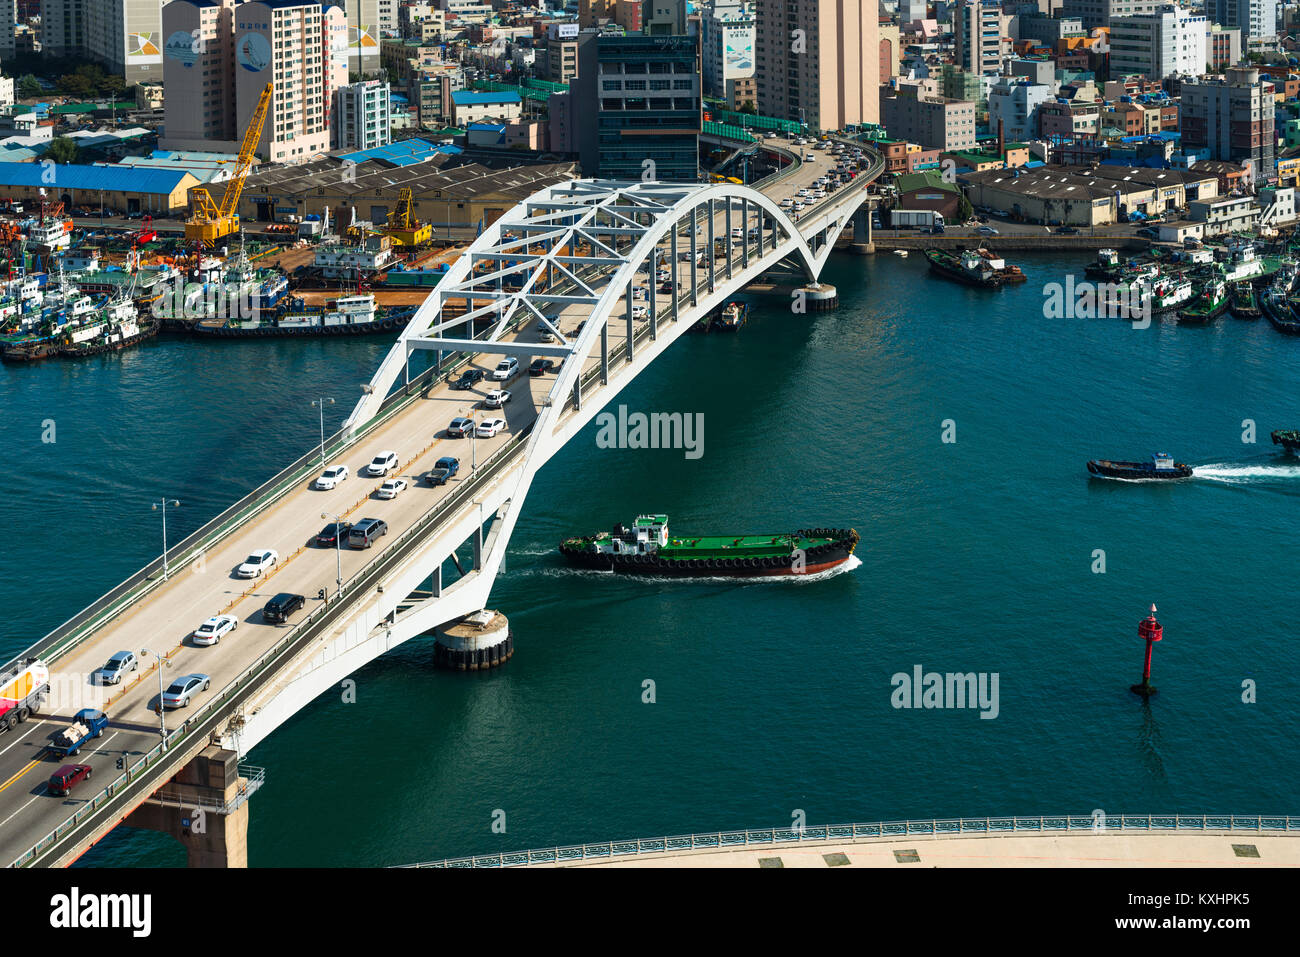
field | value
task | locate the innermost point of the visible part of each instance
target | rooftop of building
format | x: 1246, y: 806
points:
x: 475, y: 98
x: 926, y: 179
x: 126, y: 179
x: 371, y: 176
x: 1057, y: 181
x: 402, y: 153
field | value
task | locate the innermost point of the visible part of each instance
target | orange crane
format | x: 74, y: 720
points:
x: 210, y: 222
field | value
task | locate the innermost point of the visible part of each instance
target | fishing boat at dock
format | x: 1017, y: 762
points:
x: 1106, y: 267
x: 1162, y: 467
x: 351, y: 315
x: 1244, y: 302
x: 648, y: 548
x: 1209, y: 305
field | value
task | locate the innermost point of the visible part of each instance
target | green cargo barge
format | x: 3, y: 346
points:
x: 647, y: 548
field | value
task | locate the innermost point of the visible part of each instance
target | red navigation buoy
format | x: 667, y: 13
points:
x: 1150, y: 631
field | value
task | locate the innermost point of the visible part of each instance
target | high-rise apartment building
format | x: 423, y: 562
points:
x: 361, y: 115
x: 1168, y: 42
x: 1232, y: 117
x: 298, y: 46
x: 820, y: 61
x: 726, y: 44
x: 977, y: 32
x: 641, y: 104
x: 124, y: 36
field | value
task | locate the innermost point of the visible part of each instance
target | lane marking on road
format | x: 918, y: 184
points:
x: 31, y: 764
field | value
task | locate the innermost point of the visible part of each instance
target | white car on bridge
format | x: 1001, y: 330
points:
x: 496, y: 399
x: 117, y: 668
x: 382, y: 464
x: 391, y: 489
x: 331, y: 477
x: 505, y: 369
x: 211, y: 631
x: 490, y: 427
x: 257, y: 563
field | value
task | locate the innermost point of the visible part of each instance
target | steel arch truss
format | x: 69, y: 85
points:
x: 575, y: 243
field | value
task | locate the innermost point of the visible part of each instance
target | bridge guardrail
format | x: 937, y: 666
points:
x: 777, y: 837
x: 136, y: 781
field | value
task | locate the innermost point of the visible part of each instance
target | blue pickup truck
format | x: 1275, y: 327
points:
x: 443, y: 471
x: 86, y: 724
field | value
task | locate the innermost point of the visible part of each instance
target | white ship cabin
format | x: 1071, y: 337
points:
x: 1107, y: 257
x: 1163, y: 460
x: 646, y: 531
x: 51, y: 235
x: 352, y: 310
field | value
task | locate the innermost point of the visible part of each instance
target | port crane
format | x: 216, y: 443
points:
x: 210, y: 222
x: 403, y: 228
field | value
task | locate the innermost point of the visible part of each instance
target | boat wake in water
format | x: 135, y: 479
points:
x: 1246, y: 474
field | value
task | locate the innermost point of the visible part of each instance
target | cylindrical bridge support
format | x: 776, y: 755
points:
x: 474, y: 642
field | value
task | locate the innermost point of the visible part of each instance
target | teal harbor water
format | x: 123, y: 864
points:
x: 770, y: 698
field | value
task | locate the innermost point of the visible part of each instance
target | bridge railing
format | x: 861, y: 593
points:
x: 147, y: 773
x: 849, y: 833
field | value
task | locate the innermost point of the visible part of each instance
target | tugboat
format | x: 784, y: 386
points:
x: 1210, y: 305
x: 1289, y: 439
x: 647, y: 548
x: 1106, y: 267
x: 970, y: 267
x: 733, y: 316
x: 1162, y: 466
x: 1170, y: 293
x: 1245, y: 304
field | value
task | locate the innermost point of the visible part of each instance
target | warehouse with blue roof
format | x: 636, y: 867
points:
x: 126, y: 188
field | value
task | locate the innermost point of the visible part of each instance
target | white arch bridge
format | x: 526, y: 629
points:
x: 598, y: 276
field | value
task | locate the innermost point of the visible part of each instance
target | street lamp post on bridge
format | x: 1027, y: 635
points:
x: 163, y: 503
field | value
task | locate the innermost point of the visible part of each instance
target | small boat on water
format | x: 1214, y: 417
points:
x: 1161, y: 467
x: 900, y: 253
x: 1107, y: 265
x: 647, y: 548
x: 1245, y: 303
x: 1000, y: 266
x: 1209, y: 305
x: 731, y: 318
x: 1289, y: 439
x: 968, y: 267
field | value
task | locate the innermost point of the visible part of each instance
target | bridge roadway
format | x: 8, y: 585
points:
x: 163, y: 618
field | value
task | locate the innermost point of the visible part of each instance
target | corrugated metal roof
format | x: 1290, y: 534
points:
x: 118, y: 178
x: 468, y: 98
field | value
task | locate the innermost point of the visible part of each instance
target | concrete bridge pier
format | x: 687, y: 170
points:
x: 205, y: 808
x: 862, y: 243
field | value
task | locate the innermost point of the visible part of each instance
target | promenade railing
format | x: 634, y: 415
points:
x: 885, y: 830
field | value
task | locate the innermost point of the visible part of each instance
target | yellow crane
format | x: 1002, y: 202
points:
x: 210, y: 222
x: 403, y: 228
